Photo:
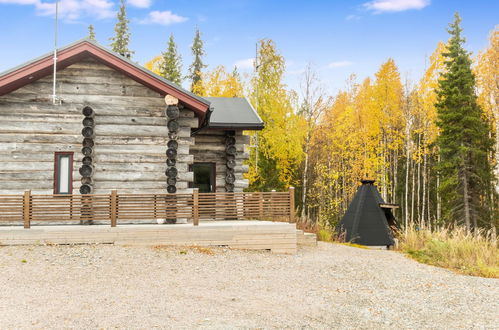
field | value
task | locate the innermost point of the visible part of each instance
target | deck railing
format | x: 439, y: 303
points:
x: 115, y: 207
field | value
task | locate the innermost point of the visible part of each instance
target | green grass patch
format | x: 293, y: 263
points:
x: 324, y: 235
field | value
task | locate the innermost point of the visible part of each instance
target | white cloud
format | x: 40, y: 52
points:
x: 352, y: 17
x: 339, y: 64
x: 381, y: 6
x: 140, y: 3
x: 247, y: 63
x: 20, y: 2
x: 70, y: 9
x: 163, y: 18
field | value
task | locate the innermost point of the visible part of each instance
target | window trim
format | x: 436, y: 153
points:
x: 57, y: 157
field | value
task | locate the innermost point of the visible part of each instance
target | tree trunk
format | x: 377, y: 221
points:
x: 428, y: 188
x: 423, y: 220
x: 383, y: 170
x: 412, y: 192
x: 418, y: 204
x: 496, y: 116
x: 466, y: 200
x: 408, y: 162
x: 439, y: 205
x: 305, y: 182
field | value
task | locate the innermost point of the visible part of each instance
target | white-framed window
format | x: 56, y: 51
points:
x: 63, y: 173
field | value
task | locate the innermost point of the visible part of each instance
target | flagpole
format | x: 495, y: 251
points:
x: 54, y: 96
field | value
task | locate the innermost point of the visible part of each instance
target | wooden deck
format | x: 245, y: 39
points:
x: 279, y: 237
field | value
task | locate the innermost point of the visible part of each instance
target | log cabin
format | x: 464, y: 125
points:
x: 113, y: 124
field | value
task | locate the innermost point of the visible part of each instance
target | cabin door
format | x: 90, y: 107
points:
x: 204, y: 177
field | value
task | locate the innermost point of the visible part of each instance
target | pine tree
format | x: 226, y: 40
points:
x: 91, y: 32
x: 171, y: 66
x: 197, y: 65
x: 464, y: 141
x: 121, y: 39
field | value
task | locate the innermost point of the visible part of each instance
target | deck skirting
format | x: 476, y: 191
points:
x: 279, y: 237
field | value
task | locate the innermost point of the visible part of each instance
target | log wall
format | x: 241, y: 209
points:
x: 209, y: 147
x: 130, y: 133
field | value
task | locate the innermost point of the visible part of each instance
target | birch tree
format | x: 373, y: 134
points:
x: 315, y: 102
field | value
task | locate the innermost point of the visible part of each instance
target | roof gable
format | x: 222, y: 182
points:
x: 43, y: 66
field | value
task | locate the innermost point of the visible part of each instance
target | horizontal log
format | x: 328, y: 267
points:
x: 34, y: 147
x: 123, y: 148
x: 90, y: 63
x: 118, y: 159
x: 77, y: 87
x: 136, y: 185
x: 7, y: 107
x: 214, y: 147
x: 216, y: 139
x: 128, y: 176
x: 136, y: 130
x: 52, y: 118
x: 93, y: 76
x: 92, y: 100
x: 146, y: 167
x: 39, y: 127
x: 40, y: 138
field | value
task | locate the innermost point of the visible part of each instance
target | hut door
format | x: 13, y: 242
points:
x: 204, y: 177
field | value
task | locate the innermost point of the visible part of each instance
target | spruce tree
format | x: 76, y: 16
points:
x: 91, y: 32
x: 121, y: 39
x: 197, y: 65
x: 171, y: 66
x: 464, y: 141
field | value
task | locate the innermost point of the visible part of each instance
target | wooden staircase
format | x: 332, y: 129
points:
x: 305, y: 239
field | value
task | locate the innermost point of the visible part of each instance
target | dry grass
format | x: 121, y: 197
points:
x: 186, y: 249
x: 467, y: 253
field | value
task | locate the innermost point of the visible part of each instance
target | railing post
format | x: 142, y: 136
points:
x: 260, y: 205
x: 291, y: 204
x: 27, y: 209
x: 271, y: 206
x: 114, y: 207
x: 195, y: 207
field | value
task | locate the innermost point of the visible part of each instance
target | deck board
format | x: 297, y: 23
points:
x: 279, y: 237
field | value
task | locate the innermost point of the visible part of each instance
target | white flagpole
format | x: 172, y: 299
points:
x: 54, y: 96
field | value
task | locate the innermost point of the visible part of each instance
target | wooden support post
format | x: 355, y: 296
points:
x: 195, y: 207
x: 114, y: 207
x: 27, y: 209
x: 260, y: 205
x: 271, y: 206
x: 291, y: 204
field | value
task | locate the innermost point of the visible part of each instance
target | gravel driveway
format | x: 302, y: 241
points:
x: 332, y: 286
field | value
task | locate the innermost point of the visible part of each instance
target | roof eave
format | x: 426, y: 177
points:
x: 239, y: 126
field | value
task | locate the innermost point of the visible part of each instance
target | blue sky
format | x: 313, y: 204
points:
x: 338, y: 37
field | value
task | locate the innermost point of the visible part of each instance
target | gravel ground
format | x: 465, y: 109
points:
x: 332, y: 286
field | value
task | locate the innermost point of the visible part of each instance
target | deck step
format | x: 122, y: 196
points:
x: 305, y: 239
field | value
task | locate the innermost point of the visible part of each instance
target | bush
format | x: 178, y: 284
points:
x: 467, y: 253
x: 324, y: 235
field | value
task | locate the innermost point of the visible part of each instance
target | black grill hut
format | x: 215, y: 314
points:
x: 368, y: 218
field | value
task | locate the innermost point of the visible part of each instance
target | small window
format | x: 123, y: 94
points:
x: 204, y: 177
x: 63, y: 173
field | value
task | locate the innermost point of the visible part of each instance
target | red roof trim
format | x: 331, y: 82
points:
x: 65, y: 57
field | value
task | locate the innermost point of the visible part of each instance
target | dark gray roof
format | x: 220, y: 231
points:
x: 233, y: 113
